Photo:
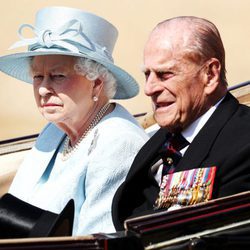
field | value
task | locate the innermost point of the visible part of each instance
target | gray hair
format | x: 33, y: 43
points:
x: 93, y: 70
x: 204, y: 40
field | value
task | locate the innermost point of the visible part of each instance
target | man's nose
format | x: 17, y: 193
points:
x: 150, y: 84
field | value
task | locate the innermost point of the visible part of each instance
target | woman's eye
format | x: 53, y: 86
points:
x: 37, y: 78
x: 58, y: 77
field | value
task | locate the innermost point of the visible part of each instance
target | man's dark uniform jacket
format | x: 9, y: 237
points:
x: 224, y: 142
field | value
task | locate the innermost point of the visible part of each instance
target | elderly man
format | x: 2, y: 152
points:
x: 184, y: 66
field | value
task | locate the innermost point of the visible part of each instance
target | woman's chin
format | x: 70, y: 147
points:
x: 54, y: 118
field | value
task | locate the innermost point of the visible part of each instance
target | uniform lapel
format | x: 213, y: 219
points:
x: 202, y: 143
x: 148, y: 155
x: 139, y: 187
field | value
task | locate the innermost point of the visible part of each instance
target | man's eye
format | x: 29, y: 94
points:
x: 147, y: 73
x: 164, y: 75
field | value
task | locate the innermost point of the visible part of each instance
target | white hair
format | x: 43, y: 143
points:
x: 93, y: 70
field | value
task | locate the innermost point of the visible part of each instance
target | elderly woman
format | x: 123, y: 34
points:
x: 88, y: 146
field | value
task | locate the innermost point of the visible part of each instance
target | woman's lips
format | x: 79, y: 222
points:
x: 51, y: 105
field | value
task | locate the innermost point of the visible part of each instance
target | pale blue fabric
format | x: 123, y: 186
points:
x: 91, y: 176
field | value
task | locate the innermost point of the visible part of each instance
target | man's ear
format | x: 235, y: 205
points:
x: 212, y: 75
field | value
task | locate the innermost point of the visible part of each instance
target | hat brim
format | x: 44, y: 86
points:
x: 18, y: 66
x: 19, y: 219
x: 53, y: 225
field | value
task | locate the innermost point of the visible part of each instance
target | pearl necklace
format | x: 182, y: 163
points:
x: 67, y: 149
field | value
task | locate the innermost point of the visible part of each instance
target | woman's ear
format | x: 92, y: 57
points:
x: 212, y: 75
x: 97, y: 87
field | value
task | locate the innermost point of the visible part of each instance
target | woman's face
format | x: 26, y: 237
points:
x: 62, y: 95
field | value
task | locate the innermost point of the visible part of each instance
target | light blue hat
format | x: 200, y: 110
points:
x: 73, y: 32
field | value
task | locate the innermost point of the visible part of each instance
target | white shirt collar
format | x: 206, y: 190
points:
x: 193, y: 129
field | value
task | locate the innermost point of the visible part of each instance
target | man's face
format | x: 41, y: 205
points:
x: 174, y: 83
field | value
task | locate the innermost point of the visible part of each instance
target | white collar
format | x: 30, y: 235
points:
x: 193, y: 129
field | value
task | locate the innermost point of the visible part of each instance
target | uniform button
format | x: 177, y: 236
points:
x: 169, y: 161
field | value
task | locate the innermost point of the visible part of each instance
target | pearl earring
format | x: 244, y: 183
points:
x: 95, y: 98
